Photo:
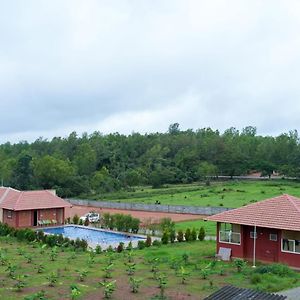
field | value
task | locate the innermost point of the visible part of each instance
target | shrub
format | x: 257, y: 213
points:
x: 193, y: 235
x: 187, y: 235
x: 141, y: 244
x: 129, y: 246
x: 201, y: 235
x: 80, y: 222
x: 172, y: 235
x: 180, y: 236
x: 148, y: 241
x: 255, y: 278
x: 239, y: 264
x: 156, y: 243
x: 165, y: 237
x: 120, y: 247
x: 277, y: 269
x: 86, y: 222
x: 98, y: 249
x: 75, y: 219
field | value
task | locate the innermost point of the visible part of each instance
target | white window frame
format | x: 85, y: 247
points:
x: 230, y: 242
x: 275, y: 237
x: 287, y: 251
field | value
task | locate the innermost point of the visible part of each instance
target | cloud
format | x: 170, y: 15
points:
x: 140, y: 65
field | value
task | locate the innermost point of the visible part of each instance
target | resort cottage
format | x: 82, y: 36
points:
x: 31, y: 208
x: 268, y: 231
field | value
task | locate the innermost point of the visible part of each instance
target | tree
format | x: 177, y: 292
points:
x: 85, y: 159
x: 22, y: 172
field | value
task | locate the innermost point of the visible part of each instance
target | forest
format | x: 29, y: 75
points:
x: 97, y: 163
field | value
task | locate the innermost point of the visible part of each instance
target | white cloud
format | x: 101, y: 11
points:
x: 141, y: 65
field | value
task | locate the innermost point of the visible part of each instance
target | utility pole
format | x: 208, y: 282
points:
x: 254, y: 246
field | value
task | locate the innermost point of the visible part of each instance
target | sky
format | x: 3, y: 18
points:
x: 138, y: 66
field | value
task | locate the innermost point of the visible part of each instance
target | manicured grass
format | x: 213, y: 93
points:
x: 228, y: 194
x: 170, y: 258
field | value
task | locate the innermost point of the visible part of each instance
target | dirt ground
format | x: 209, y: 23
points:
x: 144, y: 216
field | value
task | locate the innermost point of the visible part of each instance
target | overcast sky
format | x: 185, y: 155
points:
x: 141, y: 65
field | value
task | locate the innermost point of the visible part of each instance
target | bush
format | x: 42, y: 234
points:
x: 156, y: 243
x: 193, y: 235
x: 187, y: 235
x: 180, y: 236
x: 277, y: 269
x: 75, y: 219
x: 86, y: 222
x: 141, y: 244
x: 80, y: 222
x: 165, y: 238
x: 172, y: 235
x: 201, y: 235
x: 256, y: 278
x: 120, y: 247
x: 148, y: 241
x: 98, y: 249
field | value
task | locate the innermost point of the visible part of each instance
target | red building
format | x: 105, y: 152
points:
x: 268, y: 231
x: 31, y: 208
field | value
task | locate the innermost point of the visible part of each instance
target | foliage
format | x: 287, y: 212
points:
x: 134, y: 284
x: 148, y: 241
x: 109, y: 288
x: 239, y: 264
x: 180, y: 236
x: 201, y: 235
x: 165, y: 237
x: 98, y: 163
x: 187, y: 235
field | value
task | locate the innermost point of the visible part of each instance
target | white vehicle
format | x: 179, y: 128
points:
x: 93, y: 217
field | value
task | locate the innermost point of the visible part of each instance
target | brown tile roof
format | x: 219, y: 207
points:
x: 282, y: 212
x: 17, y: 200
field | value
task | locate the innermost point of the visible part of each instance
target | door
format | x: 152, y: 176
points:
x: 35, y: 217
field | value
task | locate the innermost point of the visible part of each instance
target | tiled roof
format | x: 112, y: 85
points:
x: 233, y: 293
x: 282, y: 212
x: 17, y: 200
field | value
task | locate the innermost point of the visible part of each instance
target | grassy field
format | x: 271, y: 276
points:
x: 210, y: 227
x: 33, y: 266
x: 228, y: 194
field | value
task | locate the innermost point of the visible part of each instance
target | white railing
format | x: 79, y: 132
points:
x: 230, y: 237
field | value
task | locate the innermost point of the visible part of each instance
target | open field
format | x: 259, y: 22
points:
x: 203, y: 278
x: 228, y: 194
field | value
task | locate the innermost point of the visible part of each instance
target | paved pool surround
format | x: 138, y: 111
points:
x: 96, y: 236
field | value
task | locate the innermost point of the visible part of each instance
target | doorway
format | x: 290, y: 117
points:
x: 35, y: 217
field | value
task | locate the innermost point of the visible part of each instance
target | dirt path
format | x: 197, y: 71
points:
x: 144, y: 216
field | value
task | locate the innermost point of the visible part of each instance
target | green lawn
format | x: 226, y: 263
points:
x: 170, y: 258
x: 228, y: 194
x: 210, y: 227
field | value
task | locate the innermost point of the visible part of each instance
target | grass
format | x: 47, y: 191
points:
x: 68, y: 264
x: 210, y: 227
x: 228, y: 194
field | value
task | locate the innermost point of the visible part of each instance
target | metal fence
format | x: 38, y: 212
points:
x: 179, y: 209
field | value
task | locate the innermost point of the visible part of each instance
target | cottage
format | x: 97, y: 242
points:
x: 268, y: 231
x: 31, y: 208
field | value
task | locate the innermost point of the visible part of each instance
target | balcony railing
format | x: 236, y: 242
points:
x: 230, y: 237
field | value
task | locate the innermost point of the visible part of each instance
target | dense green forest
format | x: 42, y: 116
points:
x: 99, y: 163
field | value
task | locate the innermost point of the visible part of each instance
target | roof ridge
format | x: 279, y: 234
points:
x: 21, y: 193
x: 293, y: 202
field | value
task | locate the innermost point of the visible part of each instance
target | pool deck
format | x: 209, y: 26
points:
x: 104, y: 245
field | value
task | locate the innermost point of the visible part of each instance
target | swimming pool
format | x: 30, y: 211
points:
x: 93, y: 236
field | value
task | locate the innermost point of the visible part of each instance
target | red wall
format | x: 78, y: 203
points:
x: 10, y: 221
x: 236, y: 250
x: 266, y: 250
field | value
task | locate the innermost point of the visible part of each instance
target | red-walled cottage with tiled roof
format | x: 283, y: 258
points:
x: 31, y: 208
x: 275, y: 225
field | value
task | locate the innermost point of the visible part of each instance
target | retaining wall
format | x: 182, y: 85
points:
x: 179, y: 209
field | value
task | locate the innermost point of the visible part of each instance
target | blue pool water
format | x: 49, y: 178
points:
x: 93, y: 236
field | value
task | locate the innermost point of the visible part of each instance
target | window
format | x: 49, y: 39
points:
x: 253, y: 235
x: 273, y: 237
x: 230, y: 233
x: 290, y: 241
x: 9, y: 214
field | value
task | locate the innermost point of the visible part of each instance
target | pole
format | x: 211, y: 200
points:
x: 254, y: 246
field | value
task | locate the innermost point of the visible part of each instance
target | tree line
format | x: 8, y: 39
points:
x: 97, y: 163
